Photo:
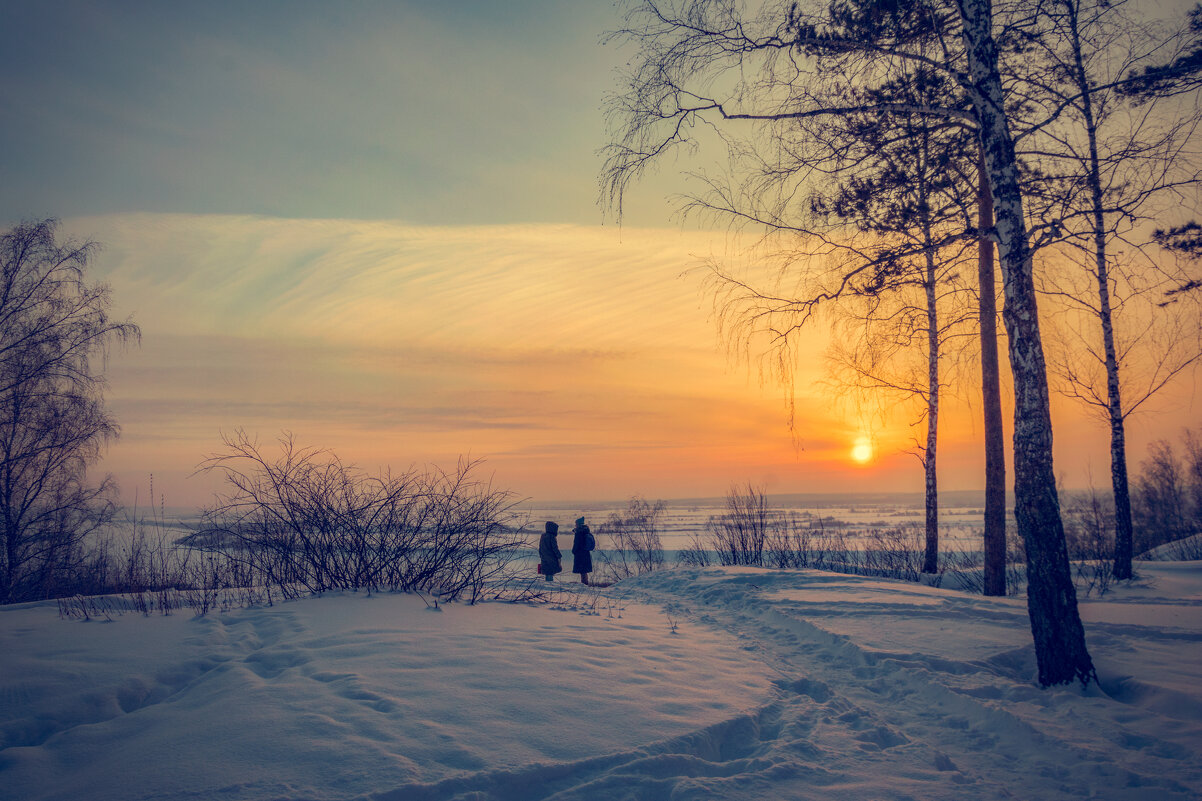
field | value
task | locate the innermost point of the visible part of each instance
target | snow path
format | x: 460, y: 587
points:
x: 890, y: 690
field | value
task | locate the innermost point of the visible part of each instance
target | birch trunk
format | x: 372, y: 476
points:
x: 1123, y: 533
x: 1051, y: 599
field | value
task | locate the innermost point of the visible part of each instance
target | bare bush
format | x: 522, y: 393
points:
x: 965, y: 569
x: 695, y: 554
x: 1089, y: 534
x: 738, y: 535
x: 634, y: 545
x: 793, y: 541
x: 894, y: 553
x: 789, y: 544
x: 304, y: 522
x: 1016, y: 563
x: 831, y: 550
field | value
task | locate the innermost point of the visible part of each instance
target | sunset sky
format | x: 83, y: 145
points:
x: 374, y: 225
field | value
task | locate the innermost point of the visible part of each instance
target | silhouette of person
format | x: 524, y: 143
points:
x: 548, y: 551
x: 582, y: 547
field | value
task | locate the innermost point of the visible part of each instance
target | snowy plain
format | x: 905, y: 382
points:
x: 732, y: 683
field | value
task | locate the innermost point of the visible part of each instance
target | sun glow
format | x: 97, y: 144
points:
x: 862, y: 451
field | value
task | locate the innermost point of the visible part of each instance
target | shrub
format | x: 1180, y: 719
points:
x: 794, y: 541
x: 695, y: 554
x: 789, y: 544
x: 895, y: 552
x: 1089, y: 534
x: 738, y: 535
x: 306, y: 522
x: 965, y: 569
x: 634, y: 544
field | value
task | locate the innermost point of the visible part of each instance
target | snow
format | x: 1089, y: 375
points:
x: 731, y: 683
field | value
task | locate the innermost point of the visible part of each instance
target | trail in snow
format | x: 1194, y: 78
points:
x: 889, y: 690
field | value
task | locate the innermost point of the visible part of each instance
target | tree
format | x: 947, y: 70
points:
x: 1119, y: 150
x: 53, y: 422
x: 913, y: 198
x: 1162, y: 497
x: 993, y: 579
x: 1180, y: 72
x: 787, y: 71
x: 1193, y: 474
x: 1051, y: 601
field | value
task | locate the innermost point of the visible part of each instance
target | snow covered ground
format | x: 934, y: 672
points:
x: 771, y: 685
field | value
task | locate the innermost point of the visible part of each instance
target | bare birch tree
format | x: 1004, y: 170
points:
x: 1051, y: 601
x: 54, y: 327
x: 1116, y: 156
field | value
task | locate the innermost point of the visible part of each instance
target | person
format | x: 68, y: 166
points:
x: 548, y: 551
x: 582, y: 547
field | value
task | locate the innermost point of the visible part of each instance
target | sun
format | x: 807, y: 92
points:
x: 862, y: 451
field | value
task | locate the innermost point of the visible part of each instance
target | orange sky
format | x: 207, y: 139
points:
x: 578, y: 362
x: 243, y: 189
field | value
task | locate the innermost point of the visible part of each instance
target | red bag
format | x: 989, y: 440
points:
x: 540, y: 568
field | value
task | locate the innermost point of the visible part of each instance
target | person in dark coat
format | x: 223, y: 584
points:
x: 548, y: 551
x: 582, y: 547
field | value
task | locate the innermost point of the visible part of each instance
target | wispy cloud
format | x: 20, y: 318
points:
x: 578, y: 361
x: 401, y: 343
x: 504, y: 287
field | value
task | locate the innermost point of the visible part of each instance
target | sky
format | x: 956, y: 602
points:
x: 375, y: 226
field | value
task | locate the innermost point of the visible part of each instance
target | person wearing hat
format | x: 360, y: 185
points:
x: 582, y: 548
x: 548, y: 552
